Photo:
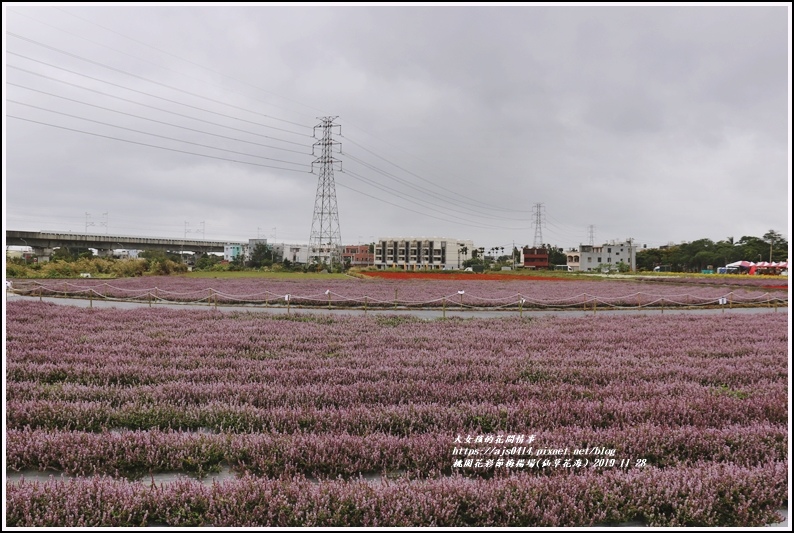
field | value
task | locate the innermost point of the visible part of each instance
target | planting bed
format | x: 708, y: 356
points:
x: 525, y: 291
x: 665, y: 420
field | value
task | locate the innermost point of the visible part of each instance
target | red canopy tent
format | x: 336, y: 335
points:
x: 765, y: 265
x: 752, y: 267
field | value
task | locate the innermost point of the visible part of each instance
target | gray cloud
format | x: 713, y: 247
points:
x: 659, y: 123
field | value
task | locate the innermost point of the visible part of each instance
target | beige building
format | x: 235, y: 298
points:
x: 422, y: 253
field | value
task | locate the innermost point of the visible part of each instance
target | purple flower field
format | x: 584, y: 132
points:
x: 724, y: 280
x: 409, y: 293
x: 553, y: 421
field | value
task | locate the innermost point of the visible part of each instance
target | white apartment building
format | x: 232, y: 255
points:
x: 608, y: 255
x: 294, y: 253
x: 422, y: 253
x: 231, y: 251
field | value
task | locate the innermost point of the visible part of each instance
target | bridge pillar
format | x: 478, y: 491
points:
x: 42, y: 254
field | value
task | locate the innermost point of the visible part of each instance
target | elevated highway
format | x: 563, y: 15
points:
x: 43, y: 243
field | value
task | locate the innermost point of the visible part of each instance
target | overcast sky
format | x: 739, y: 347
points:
x: 661, y: 124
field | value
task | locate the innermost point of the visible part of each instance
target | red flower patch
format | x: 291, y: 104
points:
x: 471, y: 277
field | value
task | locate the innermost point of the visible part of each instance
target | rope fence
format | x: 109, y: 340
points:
x: 460, y: 300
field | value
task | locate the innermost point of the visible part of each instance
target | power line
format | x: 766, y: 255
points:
x: 155, y: 120
x: 444, y: 189
x: 455, y: 220
x: 151, y: 145
x: 136, y: 91
x: 154, y: 134
x: 114, y: 69
x: 433, y: 194
x: 409, y: 197
x: 414, y: 157
x: 409, y: 209
x: 192, y: 63
x: 149, y: 106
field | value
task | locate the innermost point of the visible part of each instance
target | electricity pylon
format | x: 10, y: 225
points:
x: 325, y: 238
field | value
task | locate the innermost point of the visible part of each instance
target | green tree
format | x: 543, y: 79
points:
x: 207, y: 261
x: 160, y: 255
x: 699, y: 254
x: 473, y: 262
x: 649, y: 258
x: 262, y: 255
x: 556, y: 256
x: 753, y: 248
x: 778, y: 246
x: 238, y: 263
x: 70, y: 253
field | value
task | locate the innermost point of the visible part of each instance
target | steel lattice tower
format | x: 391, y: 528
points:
x: 537, y: 211
x: 325, y: 238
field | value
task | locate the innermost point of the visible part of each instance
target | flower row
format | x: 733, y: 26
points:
x: 715, y: 410
x: 703, y: 495
x: 133, y: 453
x: 277, y: 389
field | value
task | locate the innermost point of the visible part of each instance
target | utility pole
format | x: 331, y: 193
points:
x: 631, y: 262
x: 325, y: 236
x: 182, y: 250
x: 537, y: 212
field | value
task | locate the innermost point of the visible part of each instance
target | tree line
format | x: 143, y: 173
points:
x: 704, y: 253
x: 685, y: 257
